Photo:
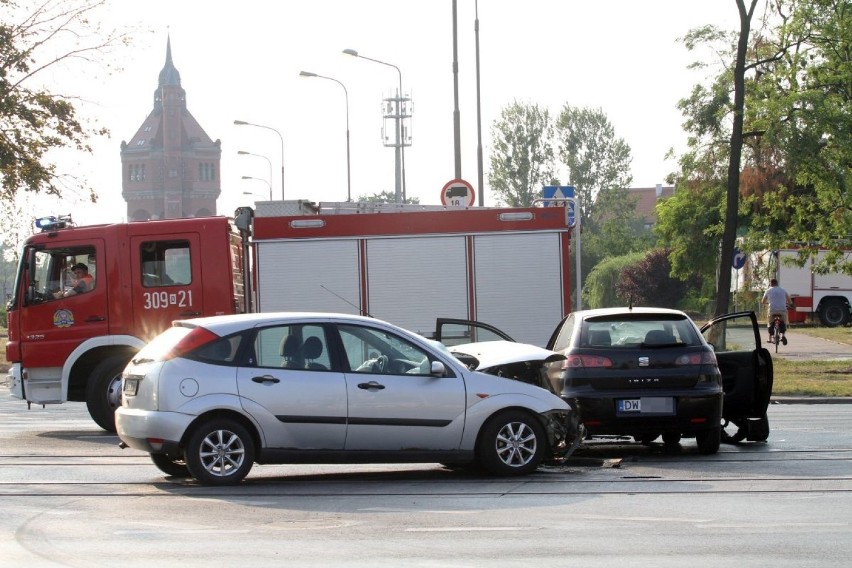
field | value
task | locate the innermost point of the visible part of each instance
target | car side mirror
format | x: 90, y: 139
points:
x: 437, y: 369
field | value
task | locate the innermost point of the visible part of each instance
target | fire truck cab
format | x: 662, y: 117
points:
x: 71, y: 345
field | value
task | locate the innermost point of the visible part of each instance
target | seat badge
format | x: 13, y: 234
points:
x: 644, y: 361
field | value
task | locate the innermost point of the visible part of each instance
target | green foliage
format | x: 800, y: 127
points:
x: 648, y: 282
x: 598, y: 163
x: 794, y: 167
x: 599, y: 289
x: 522, y: 155
x: 36, y: 39
x: 690, y: 224
x: 804, y: 116
x: 386, y: 197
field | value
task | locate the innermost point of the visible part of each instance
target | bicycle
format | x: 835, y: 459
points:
x: 775, y: 331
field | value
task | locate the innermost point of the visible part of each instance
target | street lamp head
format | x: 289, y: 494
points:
x: 243, y: 153
x: 240, y: 122
x: 307, y: 74
x: 351, y: 52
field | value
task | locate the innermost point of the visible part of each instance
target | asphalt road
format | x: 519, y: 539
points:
x: 70, y: 497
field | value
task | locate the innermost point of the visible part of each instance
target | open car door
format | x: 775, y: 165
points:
x: 451, y: 332
x: 746, y: 368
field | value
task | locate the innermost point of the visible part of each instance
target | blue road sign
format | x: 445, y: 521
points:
x: 739, y: 259
x: 560, y: 192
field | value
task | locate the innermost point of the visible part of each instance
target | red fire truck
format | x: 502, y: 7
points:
x: 504, y: 266
x: 825, y: 296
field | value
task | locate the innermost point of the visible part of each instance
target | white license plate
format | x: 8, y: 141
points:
x: 646, y: 405
x: 131, y: 386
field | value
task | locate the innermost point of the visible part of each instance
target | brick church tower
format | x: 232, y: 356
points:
x: 170, y: 168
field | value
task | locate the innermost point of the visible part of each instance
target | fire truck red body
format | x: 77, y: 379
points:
x: 505, y: 266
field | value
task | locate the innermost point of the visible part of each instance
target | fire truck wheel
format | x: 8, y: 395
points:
x: 833, y: 313
x: 103, y: 392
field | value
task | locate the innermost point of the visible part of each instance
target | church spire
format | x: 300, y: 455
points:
x: 169, y: 76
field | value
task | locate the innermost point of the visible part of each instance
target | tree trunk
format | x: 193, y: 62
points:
x: 723, y: 288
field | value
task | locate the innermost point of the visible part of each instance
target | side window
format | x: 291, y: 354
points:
x: 293, y: 347
x: 374, y: 351
x: 60, y: 273
x: 221, y: 352
x: 165, y: 263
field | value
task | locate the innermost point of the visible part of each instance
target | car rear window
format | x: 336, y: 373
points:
x: 636, y: 332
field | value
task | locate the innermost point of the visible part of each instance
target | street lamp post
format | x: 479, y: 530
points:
x: 244, y: 153
x: 400, y: 135
x: 264, y: 181
x: 244, y: 123
x: 346, y: 96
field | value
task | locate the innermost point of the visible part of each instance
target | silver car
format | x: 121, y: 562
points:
x: 209, y: 397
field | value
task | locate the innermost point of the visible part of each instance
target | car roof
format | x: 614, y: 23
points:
x: 225, y: 324
x: 642, y: 310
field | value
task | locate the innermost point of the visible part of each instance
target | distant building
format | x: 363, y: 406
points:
x: 170, y: 168
x: 647, y: 201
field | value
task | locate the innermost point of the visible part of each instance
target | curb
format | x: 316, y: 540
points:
x: 810, y: 400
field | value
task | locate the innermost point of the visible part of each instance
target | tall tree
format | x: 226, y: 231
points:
x: 36, y: 39
x: 732, y: 194
x: 802, y: 190
x: 522, y: 155
x: 598, y: 162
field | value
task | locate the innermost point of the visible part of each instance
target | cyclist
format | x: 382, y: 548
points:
x: 777, y: 299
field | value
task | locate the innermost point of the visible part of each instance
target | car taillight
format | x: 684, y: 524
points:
x: 195, y: 338
x: 702, y: 358
x: 587, y: 361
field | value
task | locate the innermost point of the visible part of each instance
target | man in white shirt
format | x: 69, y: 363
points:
x: 777, y: 299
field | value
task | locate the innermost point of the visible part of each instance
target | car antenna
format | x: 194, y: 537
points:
x: 347, y: 301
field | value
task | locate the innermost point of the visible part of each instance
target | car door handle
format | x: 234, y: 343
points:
x: 95, y: 318
x: 371, y: 385
x: 183, y: 314
x: 265, y: 379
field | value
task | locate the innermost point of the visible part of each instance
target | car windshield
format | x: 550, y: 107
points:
x: 632, y: 332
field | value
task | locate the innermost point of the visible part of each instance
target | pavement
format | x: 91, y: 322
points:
x: 803, y: 347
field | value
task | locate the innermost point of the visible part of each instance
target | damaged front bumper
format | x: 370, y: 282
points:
x: 565, y: 434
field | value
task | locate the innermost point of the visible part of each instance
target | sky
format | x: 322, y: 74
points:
x: 241, y: 61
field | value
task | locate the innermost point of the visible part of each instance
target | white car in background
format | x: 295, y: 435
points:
x: 210, y: 397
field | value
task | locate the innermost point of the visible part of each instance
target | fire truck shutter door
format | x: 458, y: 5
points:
x: 320, y: 275
x: 413, y: 281
x: 518, y: 284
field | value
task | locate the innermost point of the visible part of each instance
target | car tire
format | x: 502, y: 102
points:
x: 511, y: 443
x: 709, y: 440
x: 219, y: 452
x: 671, y: 438
x: 833, y: 313
x: 170, y: 466
x: 103, y: 391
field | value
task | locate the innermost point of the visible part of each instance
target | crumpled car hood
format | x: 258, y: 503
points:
x: 495, y: 353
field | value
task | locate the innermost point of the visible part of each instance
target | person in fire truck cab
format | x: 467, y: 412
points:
x: 83, y: 281
x: 777, y: 299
